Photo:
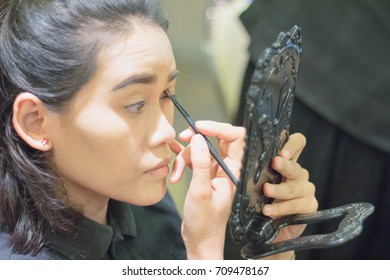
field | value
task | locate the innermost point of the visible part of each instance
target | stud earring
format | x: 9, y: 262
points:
x: 44, y: 142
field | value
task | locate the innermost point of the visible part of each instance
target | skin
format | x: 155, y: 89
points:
x: 119, y: 128
x: 295, y: 195
x: 116, y: 140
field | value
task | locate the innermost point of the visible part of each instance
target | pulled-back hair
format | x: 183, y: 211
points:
x: 50, y: 48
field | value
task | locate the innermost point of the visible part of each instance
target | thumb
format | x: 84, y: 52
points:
x: 201, y: 163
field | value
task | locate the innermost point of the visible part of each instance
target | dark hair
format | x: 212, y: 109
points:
x: 50, y: 48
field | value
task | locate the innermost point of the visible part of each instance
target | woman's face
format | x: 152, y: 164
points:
x: 114, y: 140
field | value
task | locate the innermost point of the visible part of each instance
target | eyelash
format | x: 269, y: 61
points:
x: 166, y: 94
x: 135, y: 108
x: 139, y: 105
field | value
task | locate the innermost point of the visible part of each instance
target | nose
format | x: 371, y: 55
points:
x: 163, y: 132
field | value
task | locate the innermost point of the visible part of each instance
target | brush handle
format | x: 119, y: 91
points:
x: 213, y: 152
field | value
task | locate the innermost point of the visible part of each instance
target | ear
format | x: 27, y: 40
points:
x: 29, y: 114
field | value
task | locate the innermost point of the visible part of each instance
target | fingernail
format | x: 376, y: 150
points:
x: 197, y: 143
x: 185, y: 133
x: 278, y: 163
x: 285, y: 153
x: 173, y: 174
x: 202, y: 124
x: 272, y: 188
x: 267, y: 210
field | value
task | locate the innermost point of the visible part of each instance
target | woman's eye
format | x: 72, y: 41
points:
x: 166, y: 95
x: 135, y: 108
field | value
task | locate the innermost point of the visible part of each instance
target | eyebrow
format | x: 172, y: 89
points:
x: 143, y: 79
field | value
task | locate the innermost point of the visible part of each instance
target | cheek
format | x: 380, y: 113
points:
x: 111, y: 135
x: 102, y: 123
x: 97, y: 152
x: 95, y: 139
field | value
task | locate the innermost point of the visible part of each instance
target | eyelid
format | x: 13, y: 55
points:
x: 135, y: 108
x: 166, y: 94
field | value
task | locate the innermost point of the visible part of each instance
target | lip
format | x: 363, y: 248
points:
x: 161, y: 169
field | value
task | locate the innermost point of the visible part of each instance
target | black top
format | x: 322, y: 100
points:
x: 133, y: 232
x: 345, y: 66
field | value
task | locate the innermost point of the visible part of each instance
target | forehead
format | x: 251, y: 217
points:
x: 145, y: 48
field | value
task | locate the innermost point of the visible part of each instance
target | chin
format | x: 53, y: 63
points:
x: 156, y: 199
x: 150, y: 195
x: 160, y: 193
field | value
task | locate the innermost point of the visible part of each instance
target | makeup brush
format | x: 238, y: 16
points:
x: 213, y: 152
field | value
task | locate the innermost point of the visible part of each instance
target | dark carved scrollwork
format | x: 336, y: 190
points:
x: 267, y: 120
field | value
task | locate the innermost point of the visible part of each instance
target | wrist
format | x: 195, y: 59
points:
x: 210, y: 248
x: 205, y: 250
x: 204, y: 255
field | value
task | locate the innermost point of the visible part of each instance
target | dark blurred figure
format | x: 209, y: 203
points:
x: 342, y: 106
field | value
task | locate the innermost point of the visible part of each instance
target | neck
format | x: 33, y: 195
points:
x: 97, y: 214
x: 93, y: 205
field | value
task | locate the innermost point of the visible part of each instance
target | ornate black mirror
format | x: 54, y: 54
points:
x: 267, y: 119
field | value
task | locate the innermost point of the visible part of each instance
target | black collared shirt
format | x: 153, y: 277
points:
x: 132, y: 232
